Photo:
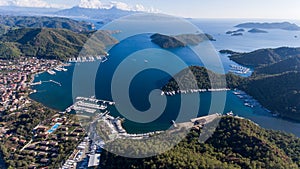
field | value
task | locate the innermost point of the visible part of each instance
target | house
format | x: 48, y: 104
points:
x: 45, y: 160
x: 44, y: 143
x: 44, y: 148
x: 31, y: 147
x: 53, y: 143
x: 44, y: 154
x: 33, y: 153
x: 79, y: 130
x: 32, y: 166
x: 15, y: 139
x: 22, y: 142
x: 64, y: 128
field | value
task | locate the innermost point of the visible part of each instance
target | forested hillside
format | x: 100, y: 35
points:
x: 236, y: 143
x: 51, y: 43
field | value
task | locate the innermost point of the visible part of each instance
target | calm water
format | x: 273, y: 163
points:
x: 60, y: 97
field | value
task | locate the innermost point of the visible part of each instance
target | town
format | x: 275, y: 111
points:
x: 15, y: 79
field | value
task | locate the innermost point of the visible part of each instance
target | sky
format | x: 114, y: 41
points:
x: 273, y: 9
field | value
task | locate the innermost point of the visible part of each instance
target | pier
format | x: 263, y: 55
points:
x: 50, y: 81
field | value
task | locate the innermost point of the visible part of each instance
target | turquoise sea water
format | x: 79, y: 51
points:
x: 60, y: 97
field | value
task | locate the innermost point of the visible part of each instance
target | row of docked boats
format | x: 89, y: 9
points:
x: 239, y: 69
x: 89, y: 59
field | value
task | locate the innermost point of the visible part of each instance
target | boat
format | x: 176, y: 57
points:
x: 51, y: 72
x: 102, y: 107
x: 58, y: 69
x: 249, y: 105
x: 236, y: 93
x: 230, y: 113
x: 146, y: 61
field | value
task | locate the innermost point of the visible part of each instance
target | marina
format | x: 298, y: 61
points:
x: 239, y: 69
x: 112, y: 126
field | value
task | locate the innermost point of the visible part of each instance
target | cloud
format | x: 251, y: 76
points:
x: 90, y: 4
x: 97, y: 4
x: 30, y: 3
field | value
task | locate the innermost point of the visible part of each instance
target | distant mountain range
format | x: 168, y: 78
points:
x: 44, y: 22
x: 104, y: 15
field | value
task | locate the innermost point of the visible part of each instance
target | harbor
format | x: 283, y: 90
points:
x: 248, y: 100
x: 110, y: 128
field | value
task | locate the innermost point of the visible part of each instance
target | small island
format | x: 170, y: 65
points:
x: 255, y: 30
x: 274, y: 25
x: 235, y: 31
x: 166, y: 41
x: 237, y: 34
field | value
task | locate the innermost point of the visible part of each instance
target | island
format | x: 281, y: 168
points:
x: 255, y: 30
x: 235, y: 31
x: 273, y: 25
x: 183, y: 40
x: 237, y: 34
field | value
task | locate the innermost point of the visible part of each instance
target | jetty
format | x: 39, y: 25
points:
x: 36, y: 83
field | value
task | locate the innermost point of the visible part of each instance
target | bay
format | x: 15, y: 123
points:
x: 60, y: 97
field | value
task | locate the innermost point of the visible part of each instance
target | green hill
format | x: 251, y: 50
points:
x: 9, y: 50
x: 289, y: 64
x: 275, y: 81
x: 56, y: 43
x: 277, y: 88
x: 279, y: 93
x: 205, y: 79
x: 45, y: 22
x: 236, y: 144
